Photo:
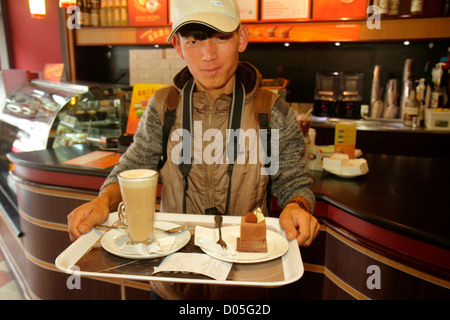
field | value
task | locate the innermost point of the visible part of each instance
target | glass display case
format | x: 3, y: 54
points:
x: 49, y: 114
x: 42, y: 114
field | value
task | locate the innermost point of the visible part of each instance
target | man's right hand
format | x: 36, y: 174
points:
x: 82, y: 219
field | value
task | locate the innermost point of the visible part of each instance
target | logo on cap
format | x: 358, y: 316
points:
x: 216, y: 3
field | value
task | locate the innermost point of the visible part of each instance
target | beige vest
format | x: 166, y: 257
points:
x: 208, y: 183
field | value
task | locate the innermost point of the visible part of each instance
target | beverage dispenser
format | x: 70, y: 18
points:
x: 326, y: 94
x: 350, y: 95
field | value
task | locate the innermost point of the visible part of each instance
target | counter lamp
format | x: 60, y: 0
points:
x: 37, y: 9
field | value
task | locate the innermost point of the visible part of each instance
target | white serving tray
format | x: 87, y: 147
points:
x: 256, y: 275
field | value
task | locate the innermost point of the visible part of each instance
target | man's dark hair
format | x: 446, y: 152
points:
x: 197, y: 31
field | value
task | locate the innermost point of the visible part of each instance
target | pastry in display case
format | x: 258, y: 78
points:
x: 96, y: 122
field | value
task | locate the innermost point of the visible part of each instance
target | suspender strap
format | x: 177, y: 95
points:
x: 169, y: 121
x: 263, y: 105
x: 265, y: 130
x: 186, y: 159
x: 235, y: 121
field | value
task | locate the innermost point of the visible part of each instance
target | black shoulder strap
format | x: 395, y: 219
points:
x: 264, y: 127
x: 169, y: 121
x: 263, y: 108
x: 185, y: 166
x: 171, y: 104
x: 235, y: 123
x: 265, y: 99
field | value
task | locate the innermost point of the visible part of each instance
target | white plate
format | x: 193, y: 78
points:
x: 277, y: 246
x: 114, y: 239
x: 338, y: 172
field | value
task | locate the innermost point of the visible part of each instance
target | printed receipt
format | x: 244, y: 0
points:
x: 196, y: 263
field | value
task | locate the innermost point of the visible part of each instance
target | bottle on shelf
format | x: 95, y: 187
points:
x: 437, y: 93
x: 394, y: 8
x: 95, y: 13
x: 79, y: 13
x: 110, y: 13
x: 411, y: 107
x: 124, y: 13
x: 416, y: 7
x: 86, y: 12
x: 104, y: 13
x: 421, y: 97
x: 117, y: 12
x: 384, y: 7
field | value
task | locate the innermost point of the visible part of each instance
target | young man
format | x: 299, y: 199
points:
x: 209, y: 37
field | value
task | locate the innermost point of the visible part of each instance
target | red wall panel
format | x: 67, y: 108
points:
x: 34, y: 42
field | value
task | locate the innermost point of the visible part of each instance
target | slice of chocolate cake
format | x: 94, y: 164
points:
x: 253, y: 233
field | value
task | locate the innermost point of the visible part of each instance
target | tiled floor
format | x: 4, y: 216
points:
x: 9, y: 289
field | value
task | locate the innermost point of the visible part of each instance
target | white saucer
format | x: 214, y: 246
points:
x: 277, y: 246
x: 113, y: 240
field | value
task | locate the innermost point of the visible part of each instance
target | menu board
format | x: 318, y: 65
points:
x: 147, y: 12
x: 248, y: 10
x: 280, y: 10
x: 142, y: 92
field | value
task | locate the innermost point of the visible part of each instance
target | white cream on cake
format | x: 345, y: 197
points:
x: 259, y: 215
x: 335, y: 161
x: 340, y: 163
x: 355, y: 167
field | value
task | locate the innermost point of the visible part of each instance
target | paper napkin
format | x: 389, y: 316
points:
x: 162, y: 245
x: 206, y: 238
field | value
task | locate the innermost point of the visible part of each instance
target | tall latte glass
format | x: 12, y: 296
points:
x: 137, y: 210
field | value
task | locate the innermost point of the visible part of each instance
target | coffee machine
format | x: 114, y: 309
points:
x: 326, y: 94
x: 350, y: 95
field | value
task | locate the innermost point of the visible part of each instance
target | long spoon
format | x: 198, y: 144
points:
x: 169, y: 231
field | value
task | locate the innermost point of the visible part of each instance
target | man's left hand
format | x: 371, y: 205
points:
x: 300, y: 224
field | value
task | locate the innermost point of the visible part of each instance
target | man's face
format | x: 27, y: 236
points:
x: 212, y: 60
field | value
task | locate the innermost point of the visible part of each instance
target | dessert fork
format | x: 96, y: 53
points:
x: 218, y: 220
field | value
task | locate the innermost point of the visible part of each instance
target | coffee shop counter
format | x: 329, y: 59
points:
x: 383, y: 235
